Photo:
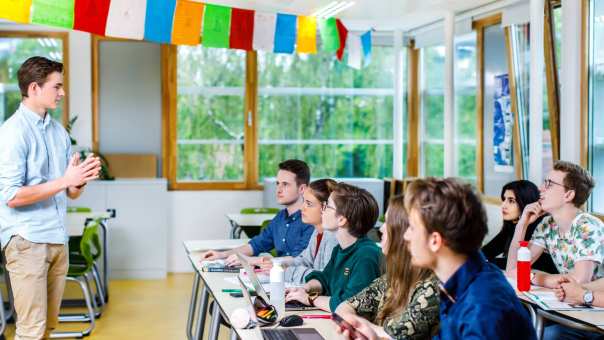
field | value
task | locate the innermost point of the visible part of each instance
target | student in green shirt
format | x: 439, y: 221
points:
x: 355, y: 262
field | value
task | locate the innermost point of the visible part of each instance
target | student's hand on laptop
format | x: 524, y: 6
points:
x: 297, y: 294
x: 232, y: 261
x: 213, y: 255
x: 265, y: 263
x: 531, y: 213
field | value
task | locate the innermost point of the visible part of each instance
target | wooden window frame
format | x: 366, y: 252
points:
x: 551, y: 77
x: 64, y: 36
x: 413, y: 110
x: 169, y: 67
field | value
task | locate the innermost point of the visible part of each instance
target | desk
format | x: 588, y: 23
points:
x: 203, y: 245
x: 240, y: 221
x: 213, y: 283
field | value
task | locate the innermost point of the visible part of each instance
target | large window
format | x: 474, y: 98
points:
x: 596, y: 103
x: 432, y: 60
x: 210, y: 115
x: 465, y: 107
x: 337, y: 119
x: 15, y: 48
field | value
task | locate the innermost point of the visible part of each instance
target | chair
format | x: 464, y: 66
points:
x: 78, y: 210
x: 259, y: 211
x: 80, y: 272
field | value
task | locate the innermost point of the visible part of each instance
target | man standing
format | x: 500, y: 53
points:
x: 37, y: 174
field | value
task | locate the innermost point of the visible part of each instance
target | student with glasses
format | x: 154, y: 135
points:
x: 321, y: 244
x: 574, y: 238
x: 355, y: 262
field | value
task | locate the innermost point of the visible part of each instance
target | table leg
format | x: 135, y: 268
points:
x: 202, y: 312
x: 233, y: 334
x: 192, y: 306
x: 215, y: 326
x: 105, y: 261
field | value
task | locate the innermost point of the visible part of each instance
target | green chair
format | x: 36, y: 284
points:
x: 78, y: 210
x: 247, y: 211
x: 81, y: 271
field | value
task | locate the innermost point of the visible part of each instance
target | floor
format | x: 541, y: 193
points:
x: 141, y: 309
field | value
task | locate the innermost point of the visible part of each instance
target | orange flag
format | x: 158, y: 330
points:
x: 186, y: 29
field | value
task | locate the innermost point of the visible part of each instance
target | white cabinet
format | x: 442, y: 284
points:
x: 138, y: 235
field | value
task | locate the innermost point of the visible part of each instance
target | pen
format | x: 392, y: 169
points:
x: 316, y: 316
x: 231, y: 291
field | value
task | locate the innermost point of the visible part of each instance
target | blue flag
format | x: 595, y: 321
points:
x: 285, y: 33
x: 158, y: 20
x: 366, y: 42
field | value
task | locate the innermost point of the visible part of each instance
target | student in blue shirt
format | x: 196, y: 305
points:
x: 447, y: 224
x: 286, y: 233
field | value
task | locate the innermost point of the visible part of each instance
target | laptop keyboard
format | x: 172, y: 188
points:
x: 278, y: 334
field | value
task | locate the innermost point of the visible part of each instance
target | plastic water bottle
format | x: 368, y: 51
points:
x: 523, y: 268
x: 277, y: 288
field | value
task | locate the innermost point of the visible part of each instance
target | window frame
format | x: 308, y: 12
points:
x: 64, y: 36
x: 551, y: 77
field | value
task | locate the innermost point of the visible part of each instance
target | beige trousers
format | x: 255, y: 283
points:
x: 37, y: 274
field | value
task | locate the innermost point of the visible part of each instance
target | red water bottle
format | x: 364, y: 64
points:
x: 523, y: 268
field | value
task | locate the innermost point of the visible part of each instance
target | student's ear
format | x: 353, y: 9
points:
x: 301, y: 188
x: 342, y: 221
x: 32, y: 89
x: 435, y: 242
x: 569, y: 196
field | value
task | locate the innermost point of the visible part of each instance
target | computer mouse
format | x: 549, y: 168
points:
x: 291, y: 321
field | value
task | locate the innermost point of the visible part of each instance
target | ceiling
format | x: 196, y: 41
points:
x: 377, y: 14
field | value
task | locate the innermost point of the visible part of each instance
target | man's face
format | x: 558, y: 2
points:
x: 553, y: 193
x: 50, y: 94
x: 417, y: 239
x: 288, y: 192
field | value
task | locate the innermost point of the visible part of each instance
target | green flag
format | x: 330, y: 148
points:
x: 58, y: 13
x: 330, y: 40
x: 216, y: 26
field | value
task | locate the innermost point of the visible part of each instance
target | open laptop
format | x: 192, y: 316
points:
x: 289, y: 306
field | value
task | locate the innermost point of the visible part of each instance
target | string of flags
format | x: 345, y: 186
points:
x: 184, y: 22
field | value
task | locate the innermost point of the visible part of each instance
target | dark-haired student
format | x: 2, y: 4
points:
x: 286, y: 233
x: 515, y: 196
x: 355, y: 262
x: 402, y: 303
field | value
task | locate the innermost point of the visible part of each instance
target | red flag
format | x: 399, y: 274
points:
x: 342, y: 33
x: 242, y: 29
x: 91, y: 16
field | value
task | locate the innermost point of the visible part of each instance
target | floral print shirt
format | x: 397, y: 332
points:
x: 583, y: 242
x: 418, y: 320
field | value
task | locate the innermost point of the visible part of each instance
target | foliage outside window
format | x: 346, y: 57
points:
x: 465, y: 107
x: 14, y: 50
x: 432, y: 60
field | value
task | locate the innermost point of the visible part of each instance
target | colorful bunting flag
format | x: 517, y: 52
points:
x: 187, y: 23
x: 158, y: 20
x: 242, y: 29
x: 126, y: 19
x: 366, y: 42
x: 91, y: 16
x: 329, y: 35
x: 342, y: 34
x: 307, y: 35
x: 58, y: 13
x: 16, y: 10
x: 354, y: 51
x: 216, y: 26
x: 285, y: 33
x: 264, y: 31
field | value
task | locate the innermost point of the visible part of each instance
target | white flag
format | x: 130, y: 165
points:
x: 354, y: 46
x: 264, y: 31
x: 126, y: 19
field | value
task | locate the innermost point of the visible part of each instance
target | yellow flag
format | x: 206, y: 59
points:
x: 15, y: 10
x: 307, y: 34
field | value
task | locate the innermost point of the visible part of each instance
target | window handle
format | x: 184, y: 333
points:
x: 249, y: 118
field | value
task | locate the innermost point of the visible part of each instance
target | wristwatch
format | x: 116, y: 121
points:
x: 312, y: 297
x: 588, y: 298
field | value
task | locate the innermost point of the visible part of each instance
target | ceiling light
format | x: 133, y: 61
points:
x: 333, y: 8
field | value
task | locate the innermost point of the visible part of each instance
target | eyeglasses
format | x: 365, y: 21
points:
x: 547, y: 183
x: 327, y: 206
x: 310, y: 204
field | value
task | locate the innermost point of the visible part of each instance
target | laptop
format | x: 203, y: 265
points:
x: 289, y: 306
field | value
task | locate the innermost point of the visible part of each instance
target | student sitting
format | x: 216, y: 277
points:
x: 447, y: 224
x: 351, y: 212
x: 573, y: 238
x: 589, y: 294
x: 515, y: 196
x: 322, y: 242
x: 286, y: 232
x: 403, y: 303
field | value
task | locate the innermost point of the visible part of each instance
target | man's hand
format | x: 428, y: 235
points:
x: 531, y: 213
x: 572, y: 293
x: 79, y: 173
x: 297, y: 294
x: 361, y: 327
x: 213, y: 255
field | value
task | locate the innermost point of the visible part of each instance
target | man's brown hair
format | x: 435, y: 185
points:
x: 450, y: 208
x: 298, y: 168
x: 358, y: 206
x: 578, y: 179
x: 36, y: 70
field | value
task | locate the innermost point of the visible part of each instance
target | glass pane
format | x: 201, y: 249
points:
x: 465, y: 108
x: 596, y: 104
x: 13, y: 52
x: 432, y: 110
x: 210, y: 117
x: 337, y: 119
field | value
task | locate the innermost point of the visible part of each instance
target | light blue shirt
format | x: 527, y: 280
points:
x: 32, y: 151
